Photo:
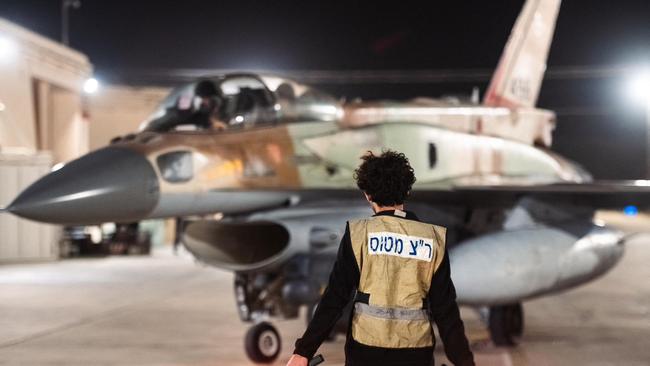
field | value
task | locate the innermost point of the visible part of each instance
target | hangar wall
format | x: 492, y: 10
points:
x: 118, y: 110
x: 24, y: 240
x: 40, y: 92
x: 42, y: 122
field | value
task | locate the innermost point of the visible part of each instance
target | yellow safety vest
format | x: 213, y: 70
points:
x: 397, y: 259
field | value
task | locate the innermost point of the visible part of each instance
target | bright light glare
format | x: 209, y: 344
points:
x: 7, y: 48
x: 638, y: 87
x: 631, y: 210
x: 57, y: 166
x: 91, y: 86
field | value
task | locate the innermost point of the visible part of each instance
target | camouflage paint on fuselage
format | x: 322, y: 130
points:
x: 310, y: 155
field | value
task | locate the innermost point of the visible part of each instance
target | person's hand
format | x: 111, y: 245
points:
x: 297, y: 360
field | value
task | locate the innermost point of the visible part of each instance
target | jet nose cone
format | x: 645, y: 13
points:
x: 108, y: 185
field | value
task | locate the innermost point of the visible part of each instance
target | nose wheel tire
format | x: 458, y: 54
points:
x: 506, y: 324
x: 262, y: 343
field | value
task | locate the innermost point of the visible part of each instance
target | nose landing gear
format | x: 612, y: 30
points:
x: 262, y: 343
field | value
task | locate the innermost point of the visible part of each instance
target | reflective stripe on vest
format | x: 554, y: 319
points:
x: 397, y: 258
x: 391, y: 313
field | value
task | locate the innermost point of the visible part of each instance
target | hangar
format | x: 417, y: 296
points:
x: 43, y: 121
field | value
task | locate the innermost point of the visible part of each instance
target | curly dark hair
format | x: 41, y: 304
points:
x: 386, y: 178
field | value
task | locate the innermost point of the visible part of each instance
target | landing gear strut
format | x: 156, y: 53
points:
x: 506, y: 324
x: 262, y: 343
x: 258, y: 298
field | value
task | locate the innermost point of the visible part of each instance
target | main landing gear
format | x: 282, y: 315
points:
x: 506, y: 324
x: 259, y: 297
x: 262, y: 296
x: 262, y: 343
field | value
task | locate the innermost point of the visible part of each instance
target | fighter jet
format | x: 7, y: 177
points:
x: 260, y: 168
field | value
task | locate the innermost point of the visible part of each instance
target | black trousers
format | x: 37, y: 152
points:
x: 357, y: 354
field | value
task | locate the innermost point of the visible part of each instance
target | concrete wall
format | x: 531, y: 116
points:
x: 118, y: 110
x: 40, y: 94
x: 23, y: 240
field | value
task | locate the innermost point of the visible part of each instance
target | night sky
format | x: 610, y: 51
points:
x: 597, y: 126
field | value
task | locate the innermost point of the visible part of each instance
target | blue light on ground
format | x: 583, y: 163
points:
x: 631, y: 210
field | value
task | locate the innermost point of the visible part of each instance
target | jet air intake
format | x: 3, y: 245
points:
x: 236, y: 246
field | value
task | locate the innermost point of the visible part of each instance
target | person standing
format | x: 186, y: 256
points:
x: 397, y: 270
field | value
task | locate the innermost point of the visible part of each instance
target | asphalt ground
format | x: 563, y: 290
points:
x: 168, y: 310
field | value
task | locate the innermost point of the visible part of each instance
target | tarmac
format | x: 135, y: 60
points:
x: 168, y: 310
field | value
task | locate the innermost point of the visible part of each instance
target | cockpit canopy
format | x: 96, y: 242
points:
x: 241, y: 101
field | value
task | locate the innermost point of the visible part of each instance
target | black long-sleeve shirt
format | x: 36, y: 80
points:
x: 345, y: 278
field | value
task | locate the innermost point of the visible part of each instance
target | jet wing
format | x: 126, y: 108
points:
x: 597, y: 195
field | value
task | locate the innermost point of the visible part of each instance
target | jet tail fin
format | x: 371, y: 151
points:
x: 518, y: 77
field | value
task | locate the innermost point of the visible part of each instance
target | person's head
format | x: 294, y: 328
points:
x: 385, y: 179
x: 206, y: 89
x: 207, y: 96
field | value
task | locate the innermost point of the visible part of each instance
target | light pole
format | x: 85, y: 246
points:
x: 65, y: 6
